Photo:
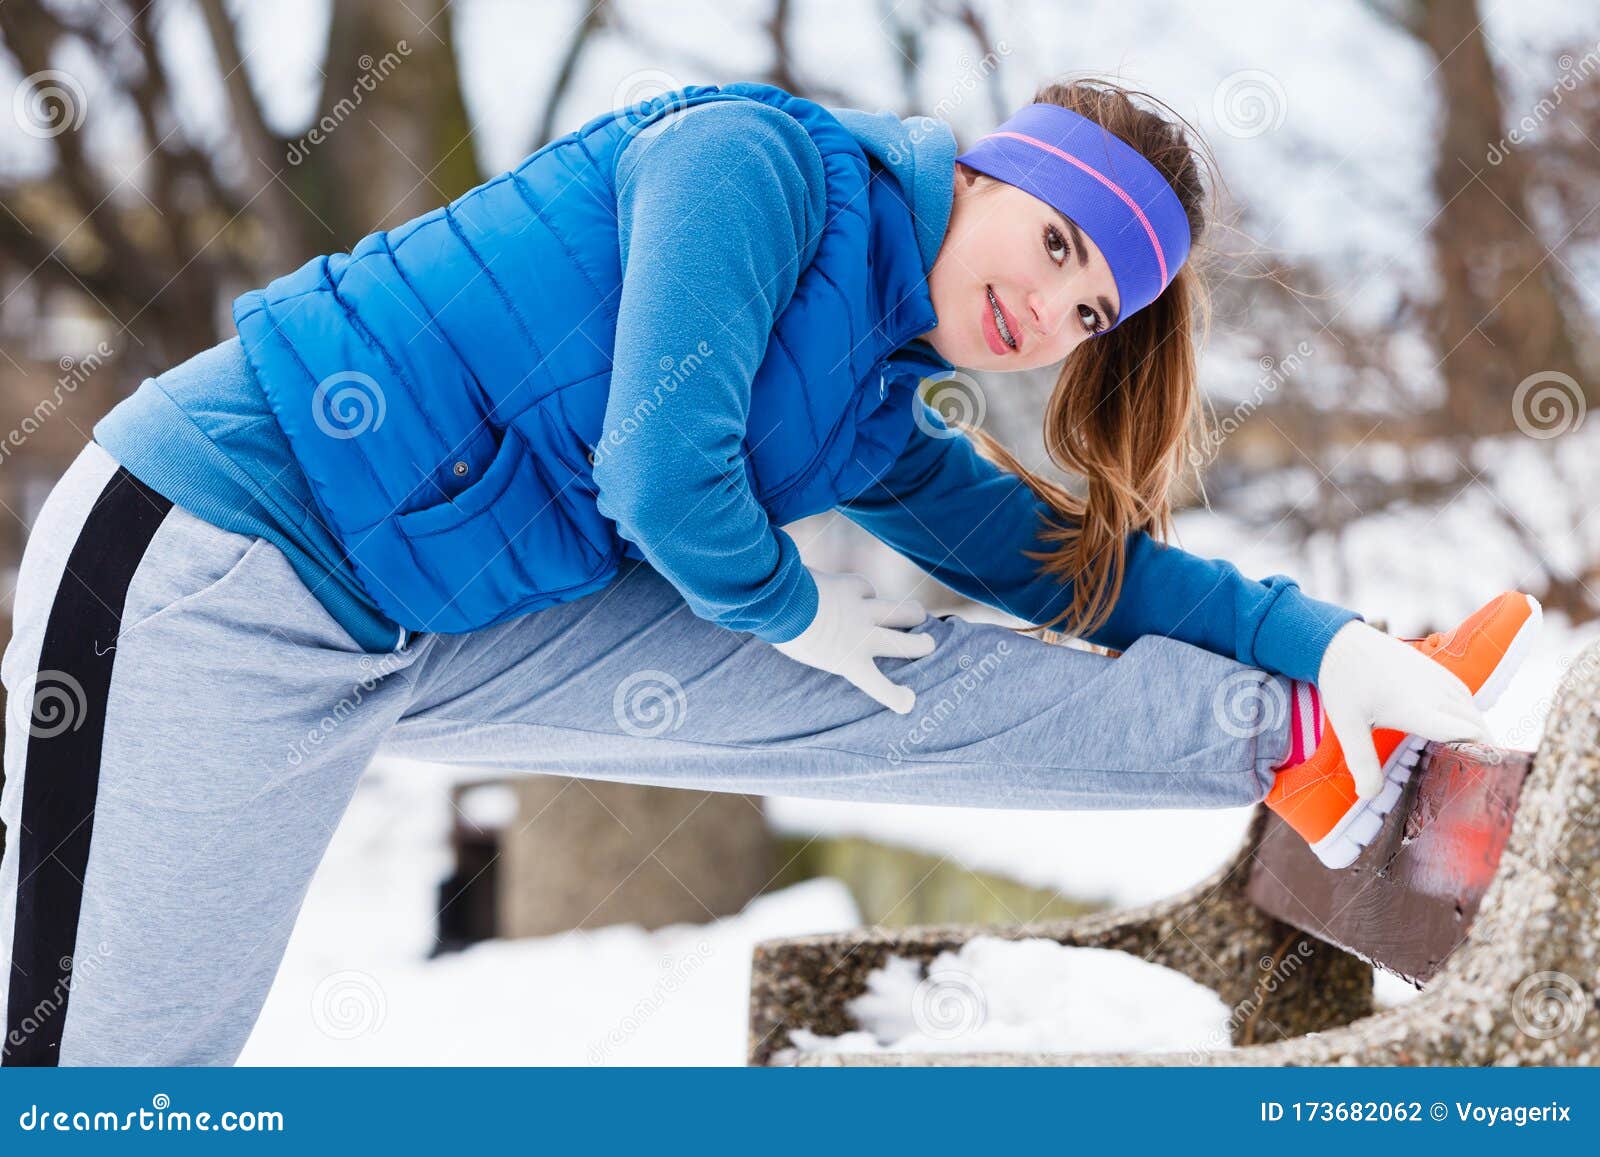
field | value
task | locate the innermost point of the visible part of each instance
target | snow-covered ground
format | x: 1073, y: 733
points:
x: 998, y: 995
x: 357, y: 986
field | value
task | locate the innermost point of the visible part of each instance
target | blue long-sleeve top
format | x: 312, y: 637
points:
x: 676, y: 489
x: 720, y: 265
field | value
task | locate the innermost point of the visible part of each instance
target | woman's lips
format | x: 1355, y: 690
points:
x: 991, y: 331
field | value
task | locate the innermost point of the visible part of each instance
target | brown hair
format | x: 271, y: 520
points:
x: 1125, y: 412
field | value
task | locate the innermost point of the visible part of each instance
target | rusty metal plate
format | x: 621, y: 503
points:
x: 1410, y: 898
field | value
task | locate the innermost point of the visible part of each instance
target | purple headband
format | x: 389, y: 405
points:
x: 1103, y: 184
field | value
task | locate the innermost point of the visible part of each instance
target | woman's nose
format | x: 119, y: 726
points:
x: 1047, y: 311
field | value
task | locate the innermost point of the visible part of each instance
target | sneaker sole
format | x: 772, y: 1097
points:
x: 1351, y: 835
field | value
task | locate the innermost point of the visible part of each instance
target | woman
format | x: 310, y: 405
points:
x: 595, y: 388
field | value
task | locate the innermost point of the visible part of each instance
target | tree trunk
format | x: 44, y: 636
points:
x: 1499, y: 317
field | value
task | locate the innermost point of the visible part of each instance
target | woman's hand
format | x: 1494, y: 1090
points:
x: 853, y: 627
x: 1369, y: 679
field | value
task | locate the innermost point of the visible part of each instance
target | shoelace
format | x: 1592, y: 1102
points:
x: 1435, y: 640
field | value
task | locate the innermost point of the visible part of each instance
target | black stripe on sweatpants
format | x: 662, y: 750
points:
x: 67, y: 721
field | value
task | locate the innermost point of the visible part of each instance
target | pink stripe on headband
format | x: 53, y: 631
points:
x: 1155, y: 242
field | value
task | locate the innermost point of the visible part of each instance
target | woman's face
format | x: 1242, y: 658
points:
x: 1008, y: 250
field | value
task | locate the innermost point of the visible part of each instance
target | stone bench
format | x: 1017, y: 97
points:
x: 1483, y: 889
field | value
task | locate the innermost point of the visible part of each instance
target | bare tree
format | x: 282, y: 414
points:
x: 158, y: 247
x: 1506, y: 306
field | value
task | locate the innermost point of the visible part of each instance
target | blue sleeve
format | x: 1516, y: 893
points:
x: 966, y: 522
x: 718, y: 210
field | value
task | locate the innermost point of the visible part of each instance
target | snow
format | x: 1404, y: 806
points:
x: 1117, y: 858
x: 997, y: 995
x: 357, y: 986
x: 488, y: 806
x: 1338, y: 176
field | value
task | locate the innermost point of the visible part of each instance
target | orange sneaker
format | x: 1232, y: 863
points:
x: 1317, y: 797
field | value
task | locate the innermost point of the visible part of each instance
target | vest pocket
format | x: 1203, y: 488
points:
x: 505, y: 541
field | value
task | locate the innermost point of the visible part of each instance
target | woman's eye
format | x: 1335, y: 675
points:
x: 1056, y: 246
x: 1054, y: 243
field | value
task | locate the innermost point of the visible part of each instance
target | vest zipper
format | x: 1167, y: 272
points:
x: 804, y: 473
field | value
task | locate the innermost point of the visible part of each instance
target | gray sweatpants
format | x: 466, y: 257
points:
x: 186, y: 725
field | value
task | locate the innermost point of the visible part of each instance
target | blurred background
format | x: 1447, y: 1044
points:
x: 1405, y: 346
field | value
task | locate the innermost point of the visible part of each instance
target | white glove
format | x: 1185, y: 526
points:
x: 1369, y: 679
x: 852, y: 628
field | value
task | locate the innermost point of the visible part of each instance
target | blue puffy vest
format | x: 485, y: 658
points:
x: 448, y: 438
